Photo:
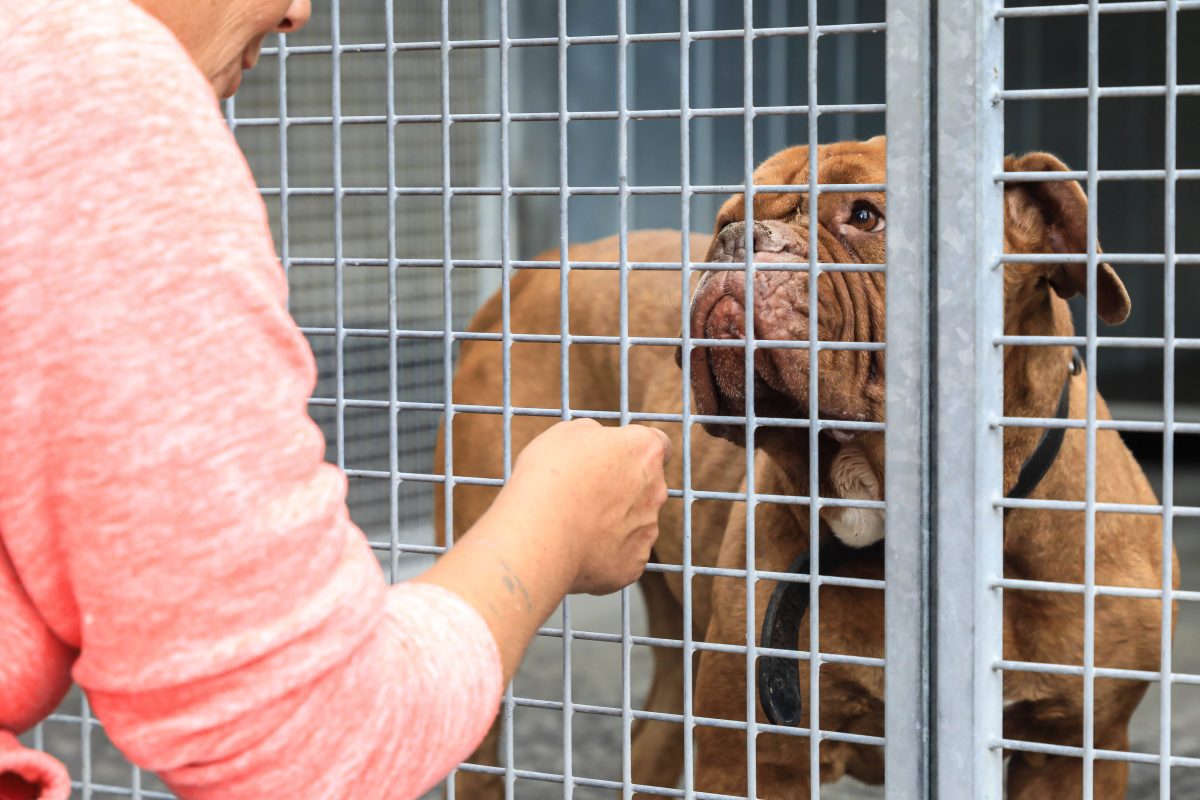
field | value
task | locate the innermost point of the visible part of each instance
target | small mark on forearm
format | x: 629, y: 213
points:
x: 513, y: 583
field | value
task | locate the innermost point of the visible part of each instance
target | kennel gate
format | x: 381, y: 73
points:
x: 945, y: 118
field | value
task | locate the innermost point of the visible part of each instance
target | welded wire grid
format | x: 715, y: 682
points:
x: 516, y: 780
x: 388, y: 142
x: 382, y: 140
x: 1169, y: 761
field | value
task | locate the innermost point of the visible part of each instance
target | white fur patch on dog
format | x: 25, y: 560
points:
x: 853, y: 479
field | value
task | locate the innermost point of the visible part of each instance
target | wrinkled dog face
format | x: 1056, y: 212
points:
x: 1040, y: 217
x: 850, y: 305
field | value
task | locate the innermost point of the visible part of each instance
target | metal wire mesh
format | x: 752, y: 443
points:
x: 416, y: 157
x: 321, y: 140
x: 1106, y: 90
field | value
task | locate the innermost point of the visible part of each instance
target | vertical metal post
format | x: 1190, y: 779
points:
x: 967, y: 442
x: 1089, y: 514
x: 85, y: 747
x: 1168, y: 463
x: 751, y: 632
x: 447, y: 280
x: 339, y: 297
x: 704, y: 62
x: 285, y: 243
x: 564, y: 331
x: 907, y: 459
x: 389, y: 16
x: 814, y: 412
x: 623, y: 267
x: 510, y: 776
x: 685, y: 423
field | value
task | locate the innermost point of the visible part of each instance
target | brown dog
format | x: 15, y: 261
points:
x: 1043, y: 545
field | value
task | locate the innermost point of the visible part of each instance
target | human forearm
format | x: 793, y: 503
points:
x: 510, y: 574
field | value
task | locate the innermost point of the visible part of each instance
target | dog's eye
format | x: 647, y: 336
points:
x: 865, y: 217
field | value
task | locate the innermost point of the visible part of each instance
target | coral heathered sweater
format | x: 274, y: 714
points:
x: 170, y: 535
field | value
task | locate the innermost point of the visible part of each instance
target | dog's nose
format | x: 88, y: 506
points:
x: 772, y: 240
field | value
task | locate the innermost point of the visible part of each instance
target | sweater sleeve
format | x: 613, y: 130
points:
x: 163, y: 493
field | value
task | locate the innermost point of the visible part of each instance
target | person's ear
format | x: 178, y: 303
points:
x: 1051, y: 217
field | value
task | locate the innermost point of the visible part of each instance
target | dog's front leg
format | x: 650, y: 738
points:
x: 479, y: 785
x: 1032, y: 776
x: 721, y: 764
x: 658, y: 746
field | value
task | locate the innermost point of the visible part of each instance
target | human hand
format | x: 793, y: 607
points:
x: 599, y: 490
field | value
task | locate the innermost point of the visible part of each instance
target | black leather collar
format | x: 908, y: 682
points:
x: 1042, y: 457
x: 779, y: 677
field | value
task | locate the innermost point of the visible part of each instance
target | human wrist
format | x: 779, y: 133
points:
x: 528, y: 528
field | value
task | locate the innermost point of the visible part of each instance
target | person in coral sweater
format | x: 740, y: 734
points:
x: 171, y: 537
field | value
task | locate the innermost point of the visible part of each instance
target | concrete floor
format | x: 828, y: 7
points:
x: 596, y: 680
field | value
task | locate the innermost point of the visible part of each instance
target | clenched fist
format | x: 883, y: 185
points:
x: 601, y: 488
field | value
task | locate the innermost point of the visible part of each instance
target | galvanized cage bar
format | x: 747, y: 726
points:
x: 285, y: 220
x: 1089, y: 552
x: 705, y: 34
x: 908, y: 467
x: 339, y: 238
x: 1170, y: 163
x: 773, y: 111
x: 623, y: 72
x: 564, y: 330
x: 749, y: 190
x: 506, y: 194
x: 814, y: 414
x: 688, y: 779
x: 447, y: 286
x: 967, y: 446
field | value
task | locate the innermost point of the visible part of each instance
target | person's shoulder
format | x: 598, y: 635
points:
x: 111, y: 93
x: 109, y: 131
x: 112, y: 53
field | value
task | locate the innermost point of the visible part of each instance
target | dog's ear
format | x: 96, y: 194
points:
x: 1052, y: 216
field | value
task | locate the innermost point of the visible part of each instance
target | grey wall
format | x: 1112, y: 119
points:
x: 364, y: 219
x: 850, y: 69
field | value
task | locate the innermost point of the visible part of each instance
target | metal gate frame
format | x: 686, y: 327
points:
x: 945, y: 506
x: 908, y: 479
x: 944, y: 449
x: 968, y: 445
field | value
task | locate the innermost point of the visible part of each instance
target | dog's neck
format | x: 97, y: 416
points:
x: 852, y: 470
x: 1033, y: 374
